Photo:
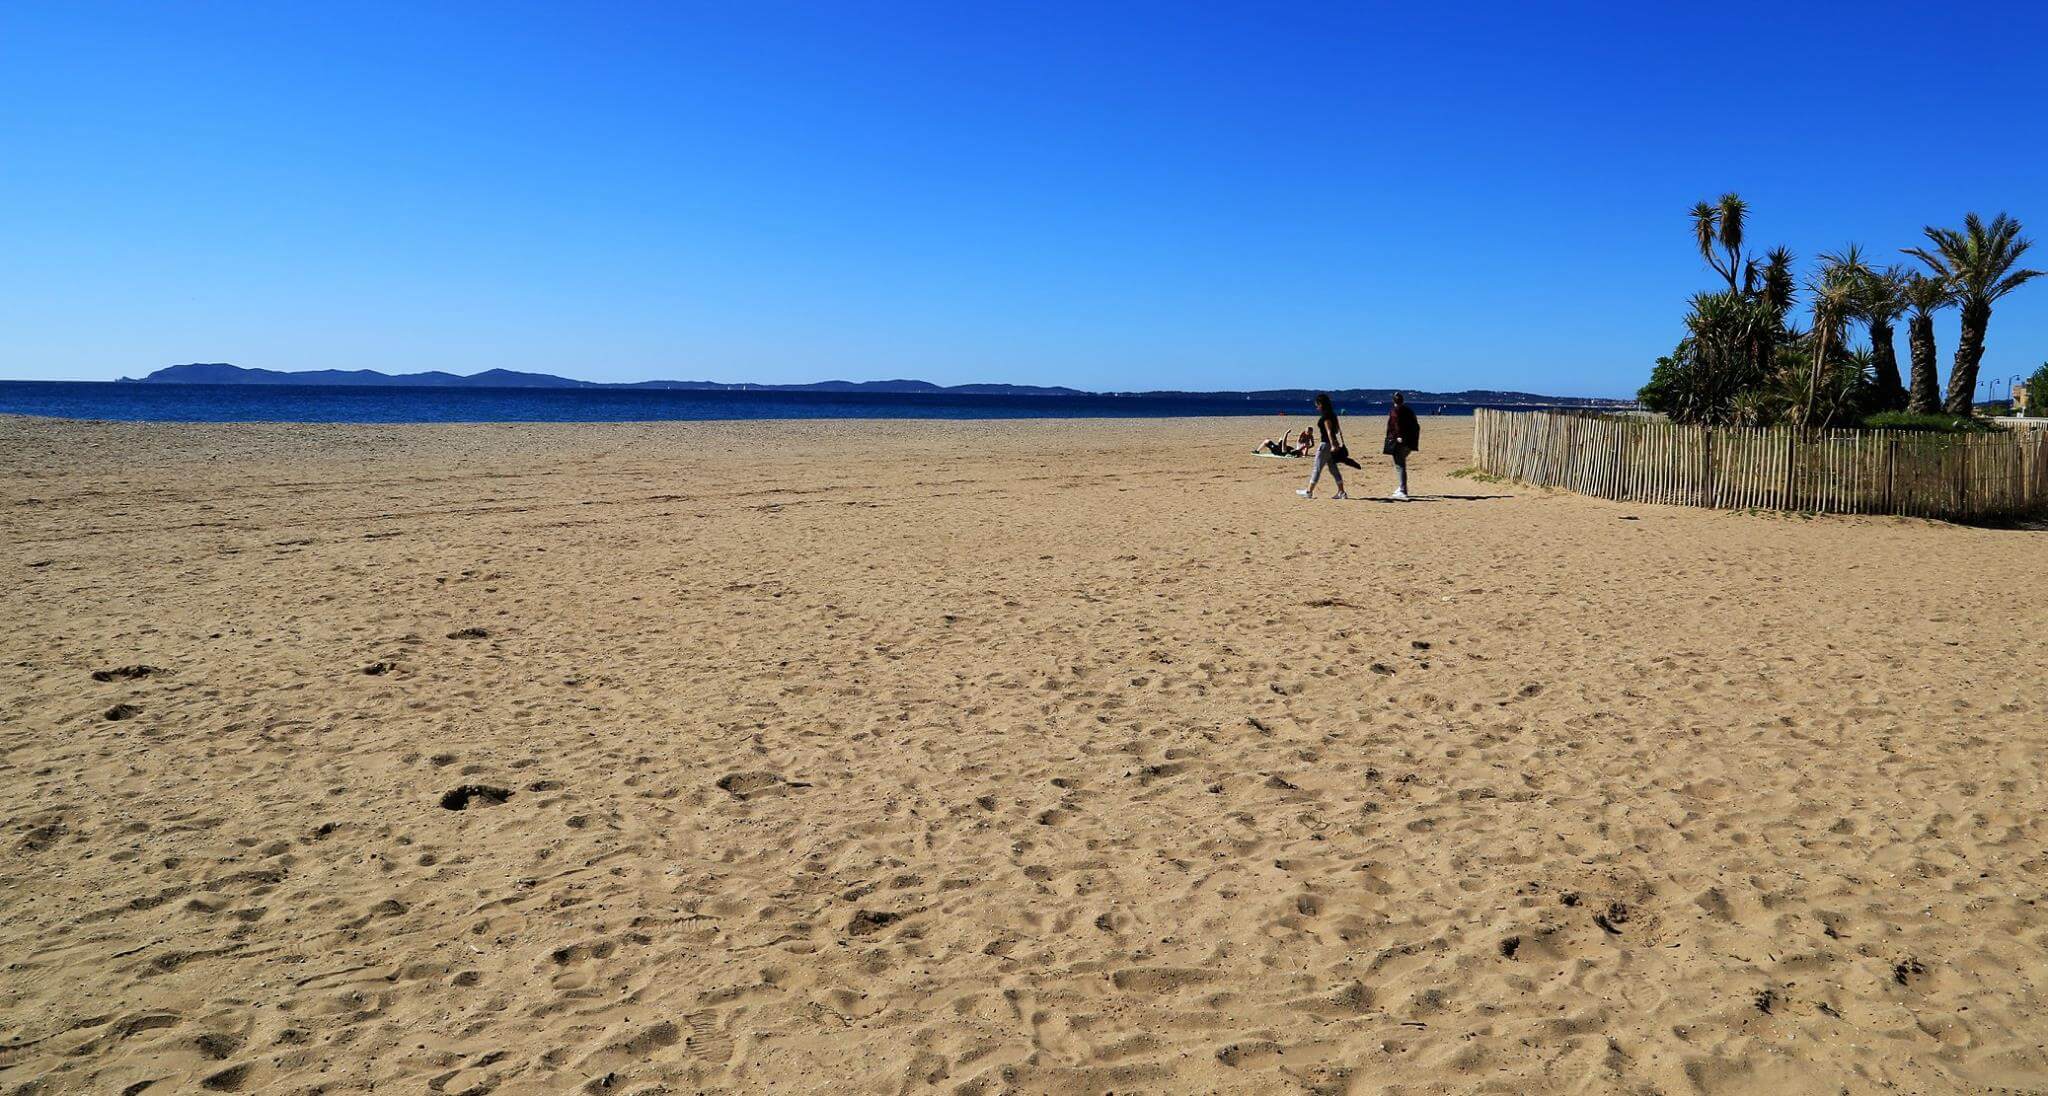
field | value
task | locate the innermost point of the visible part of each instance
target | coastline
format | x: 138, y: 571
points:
x: 112, y: 401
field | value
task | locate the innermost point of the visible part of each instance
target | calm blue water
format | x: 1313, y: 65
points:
x: 280, y: 403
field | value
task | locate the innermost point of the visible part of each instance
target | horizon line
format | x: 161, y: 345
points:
x: 254, y: 376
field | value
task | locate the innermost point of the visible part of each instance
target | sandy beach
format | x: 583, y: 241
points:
x: 1068, y: 757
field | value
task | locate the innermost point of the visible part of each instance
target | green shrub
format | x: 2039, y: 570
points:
x: 2036, y: 388
x: 1478, y: 475
x: 1927, y: 424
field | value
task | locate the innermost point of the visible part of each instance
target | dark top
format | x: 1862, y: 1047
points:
x: 1403, y: 430
x: 1327, y: 426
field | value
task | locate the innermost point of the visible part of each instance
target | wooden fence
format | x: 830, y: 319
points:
x: 1955, y: 476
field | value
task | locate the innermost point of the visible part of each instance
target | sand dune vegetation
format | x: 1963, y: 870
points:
x: 1745, y: 361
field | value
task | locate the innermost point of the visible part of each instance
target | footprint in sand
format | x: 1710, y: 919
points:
x: 705, y: 1040
x: 753, y: 785
x: 41, y: 837
x: 577, y: 953
x: 1159, y: 980
x: 230, y: 1079
x: 482, y: 795
x: 469, y: 633
x: 127, y: 673
x: 217, y: 1047
x: 120, y: 712
x: 1255, y: 1052
x: 869, y: 922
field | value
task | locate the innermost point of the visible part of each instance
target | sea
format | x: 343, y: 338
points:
x: 131, y: 402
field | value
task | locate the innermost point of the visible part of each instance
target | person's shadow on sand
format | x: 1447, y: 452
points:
x: 1426, y: 498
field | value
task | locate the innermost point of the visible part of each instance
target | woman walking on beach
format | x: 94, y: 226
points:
x: 1404, y: 436
x: 1330, y: 450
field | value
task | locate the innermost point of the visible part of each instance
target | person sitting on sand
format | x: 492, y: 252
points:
x: 1285, y: 446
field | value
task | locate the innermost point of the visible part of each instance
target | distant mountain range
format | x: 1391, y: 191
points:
x: 223, y: 373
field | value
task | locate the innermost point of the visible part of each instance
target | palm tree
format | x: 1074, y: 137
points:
x: 1732, y: 350
x: 1977, y: 263
x: 1846, y: 387
x: 1772, y: 285
x: 1925, y: 296
x: 1883, y: 300
x: 1835, y: 297
x: 1773, y: 281
x: 1716, y: 362
x: 1720, y: 224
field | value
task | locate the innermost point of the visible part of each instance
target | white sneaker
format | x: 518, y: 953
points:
x: 1340, y: 496
x: 1399, y: 496
x: 1303, y: 492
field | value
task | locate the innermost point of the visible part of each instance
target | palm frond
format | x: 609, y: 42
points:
x: 1705, y: 226
x: 1978, y: 260
x: 1926, y: 295
x: 1849, y: 260
x: 2013, y: 281
x: 1884, y: 294
x: 1734, y: 217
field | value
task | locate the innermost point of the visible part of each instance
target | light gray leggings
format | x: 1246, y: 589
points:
x: 1326, y: 459
x: 1401, y: 467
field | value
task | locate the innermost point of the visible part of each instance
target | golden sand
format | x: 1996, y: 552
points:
x: 986, y: 757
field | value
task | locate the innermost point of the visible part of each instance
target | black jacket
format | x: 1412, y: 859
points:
x: 1403, y: 431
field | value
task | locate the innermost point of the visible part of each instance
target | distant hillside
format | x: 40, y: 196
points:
x: 1472, y: 397
x: 223, y: 373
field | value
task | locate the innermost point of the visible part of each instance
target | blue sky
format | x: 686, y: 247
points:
x: 1121, y: 195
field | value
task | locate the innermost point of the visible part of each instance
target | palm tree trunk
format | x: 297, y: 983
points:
x: 1820, y: 358
x: 1926, y: 397
x: 1891, y: 394
x: 1962, y: 380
